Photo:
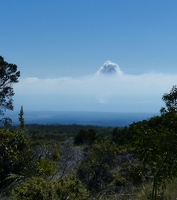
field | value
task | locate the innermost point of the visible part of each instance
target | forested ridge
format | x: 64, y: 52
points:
x: 46, y: 162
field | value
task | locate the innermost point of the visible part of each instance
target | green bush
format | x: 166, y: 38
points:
x: 69, y: 188
x: 16, y: 158
x: 95, y: 169
x: 85, y: 137
x: 40, y: 189
x: 33, y: 189
x: 46, y: 167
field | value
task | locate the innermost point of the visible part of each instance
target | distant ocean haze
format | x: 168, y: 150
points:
x: 111, y: 119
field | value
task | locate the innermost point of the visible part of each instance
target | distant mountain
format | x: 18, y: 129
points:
x: 83, y: 118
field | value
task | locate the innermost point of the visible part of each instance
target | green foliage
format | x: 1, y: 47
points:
x: 41, y: 134
x: 46, y: 167
x: 121, y: 136
x: 144, y: 193
x: 155, y: 144
x: 8, y: 76
x: 33, y: 189
x: 103, y: 152
x: 16, y: 157
x: 85, y: 137
x: 119, y: 180
x: 94, y: 169
x: 55, y: 155
x: 170, y: 100
x: 70, y: 188
x: 21, y: 119
x: 40, y: 189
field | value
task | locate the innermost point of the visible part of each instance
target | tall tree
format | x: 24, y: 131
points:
x: 155, y: 142
x: 21, y: 119
x: 170, y: 100
x: 8, y: 76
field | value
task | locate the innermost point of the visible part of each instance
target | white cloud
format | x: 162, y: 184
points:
x: 122, y: 92
x: 110, y: 68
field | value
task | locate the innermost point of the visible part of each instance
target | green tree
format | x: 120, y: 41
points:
x: 85, y: 137
x: 170, y: 100
x: 8, y: 76
x: 155, y: 144
x: 121, y: 136
x: 21, y: 119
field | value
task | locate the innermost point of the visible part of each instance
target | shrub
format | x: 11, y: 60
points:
x: 33, y: 189
x: 41, y: 189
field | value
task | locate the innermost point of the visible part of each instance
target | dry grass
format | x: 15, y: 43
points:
x: 142, y: 194
x: 169, y: 194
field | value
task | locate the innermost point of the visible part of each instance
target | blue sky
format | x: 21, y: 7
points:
x: 60, y: 45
